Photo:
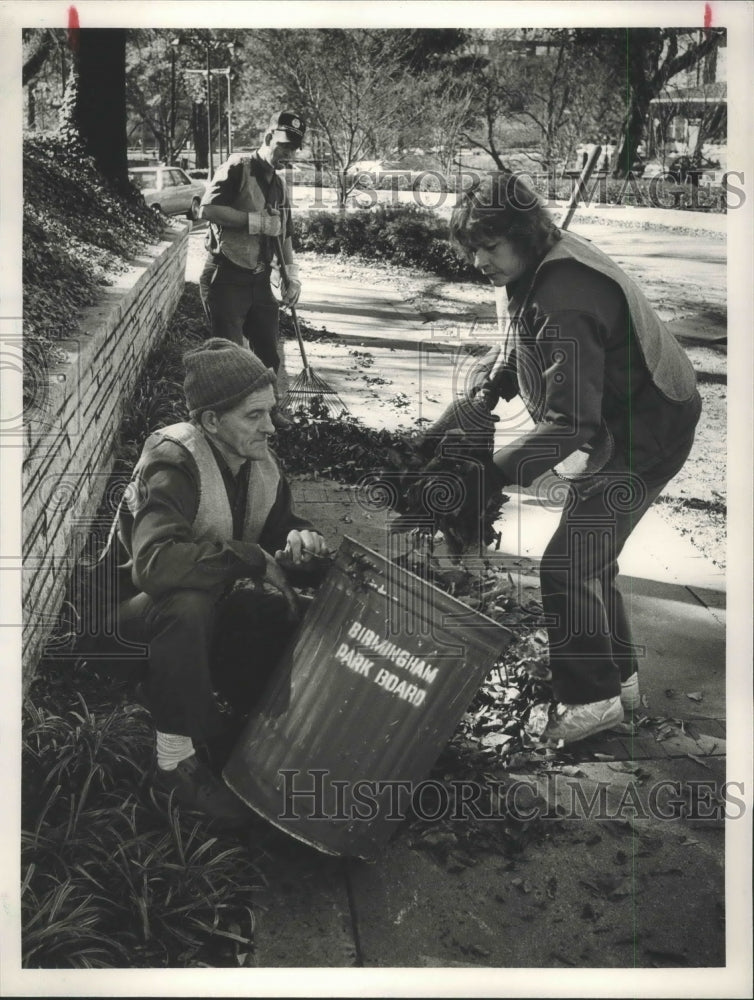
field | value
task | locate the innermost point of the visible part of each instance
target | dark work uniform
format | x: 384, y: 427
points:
x: 597, y: 371
x: 235, y: 283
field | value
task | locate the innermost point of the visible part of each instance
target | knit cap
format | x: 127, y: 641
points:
x: 219, y: 374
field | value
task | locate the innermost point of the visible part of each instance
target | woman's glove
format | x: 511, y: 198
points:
x: 471, y: 426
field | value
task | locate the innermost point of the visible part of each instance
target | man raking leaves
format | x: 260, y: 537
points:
x: 614, y: 403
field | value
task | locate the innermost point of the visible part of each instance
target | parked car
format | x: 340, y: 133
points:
x: 685, y: 170
x: 169, y: 189
x: 298, y: 173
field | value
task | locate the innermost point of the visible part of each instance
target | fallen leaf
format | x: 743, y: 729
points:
x: 698, y: 760
x: 695, y: 695
x: 495, y: 740
x: 606, y: 886
x: 626, y: 766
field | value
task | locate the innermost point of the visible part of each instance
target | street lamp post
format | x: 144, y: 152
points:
x: 219, y: 120
x: 226, y: 73
x: 174, y: 43
x: 208, y: 74
x: 231, y: 53
x: 210, y: 166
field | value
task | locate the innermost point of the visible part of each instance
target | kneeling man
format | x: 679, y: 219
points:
x: 208, y: 505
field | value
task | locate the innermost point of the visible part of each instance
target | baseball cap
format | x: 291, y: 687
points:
x: 287, y: 126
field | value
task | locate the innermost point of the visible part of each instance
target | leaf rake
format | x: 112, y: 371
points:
x: 308, y: 386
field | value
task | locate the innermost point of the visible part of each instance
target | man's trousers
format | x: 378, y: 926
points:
x: 238, y: 304
x: 198, y: 645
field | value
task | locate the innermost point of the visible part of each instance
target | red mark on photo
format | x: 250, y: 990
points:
x: 707, y: 16
x: 73, y: 29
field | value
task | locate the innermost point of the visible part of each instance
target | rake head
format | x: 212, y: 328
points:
x: 308, y: 387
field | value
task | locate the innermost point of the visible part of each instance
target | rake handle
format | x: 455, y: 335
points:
x: 294, y: 317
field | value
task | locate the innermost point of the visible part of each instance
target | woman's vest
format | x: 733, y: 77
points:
x: 214, y: 518
x: 666, y: 362
x: 255, y: 253
x: 668, y: 366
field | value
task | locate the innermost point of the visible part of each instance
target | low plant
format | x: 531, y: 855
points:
x: 402, y: 234
x: 106, y: 881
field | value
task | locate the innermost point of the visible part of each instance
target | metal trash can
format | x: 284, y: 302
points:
x: 368, y: 693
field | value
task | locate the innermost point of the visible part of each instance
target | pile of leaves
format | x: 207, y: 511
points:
x: 78, y: 232
x: 395, y: 468
x: 402, y: 234
x: 110, y: 879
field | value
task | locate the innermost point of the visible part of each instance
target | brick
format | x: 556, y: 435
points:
x: 76, y: 434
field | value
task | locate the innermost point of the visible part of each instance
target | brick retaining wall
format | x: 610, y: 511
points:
x: 69, y: 436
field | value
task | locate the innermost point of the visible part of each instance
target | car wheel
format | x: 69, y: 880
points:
x: 194, y: 210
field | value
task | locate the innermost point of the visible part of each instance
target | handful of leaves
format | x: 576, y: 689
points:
x: 443, y: 483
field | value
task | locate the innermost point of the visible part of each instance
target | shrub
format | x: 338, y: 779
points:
x: 402, y: 234
x: 77, y: 232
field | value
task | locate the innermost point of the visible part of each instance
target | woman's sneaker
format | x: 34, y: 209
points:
x: 193, y: 786
x: 571, y: 723
x: 630, y: 697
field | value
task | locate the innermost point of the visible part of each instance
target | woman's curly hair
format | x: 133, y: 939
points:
x: 502, y: 204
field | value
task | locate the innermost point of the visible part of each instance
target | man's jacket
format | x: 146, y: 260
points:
x: 177, y: 528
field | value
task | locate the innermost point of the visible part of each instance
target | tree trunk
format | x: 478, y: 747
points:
x: 631, y: 134
x: 199, y: 132
x: 100, y: 109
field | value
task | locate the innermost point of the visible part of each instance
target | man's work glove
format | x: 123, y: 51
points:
x: 265, y: 223
x: 292, y: 287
